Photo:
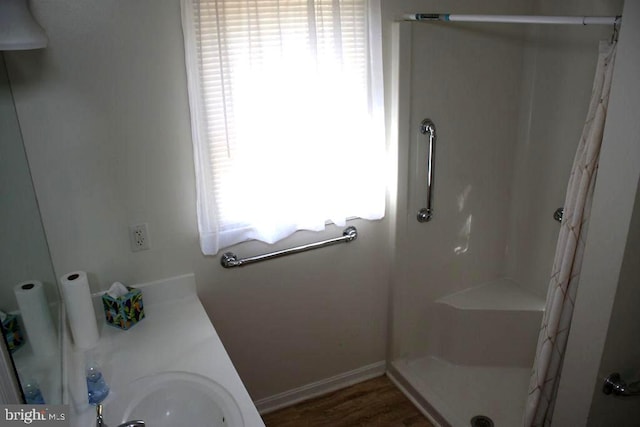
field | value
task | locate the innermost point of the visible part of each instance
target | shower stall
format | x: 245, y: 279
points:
x: 506, y: 104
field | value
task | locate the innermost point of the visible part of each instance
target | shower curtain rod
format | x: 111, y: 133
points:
x: 515, y: 19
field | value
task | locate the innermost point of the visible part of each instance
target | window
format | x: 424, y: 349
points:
x: 286, y: 114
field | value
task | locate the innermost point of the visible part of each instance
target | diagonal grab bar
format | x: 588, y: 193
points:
x: 230, y: 260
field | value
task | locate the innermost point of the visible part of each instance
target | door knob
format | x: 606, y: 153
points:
x: 613, y: 384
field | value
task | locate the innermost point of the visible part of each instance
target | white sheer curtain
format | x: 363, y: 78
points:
x: 286, y: 110
x: 569, y: 251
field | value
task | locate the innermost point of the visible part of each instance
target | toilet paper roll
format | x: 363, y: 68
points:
x: 36, y: 316
x: 79, y: 308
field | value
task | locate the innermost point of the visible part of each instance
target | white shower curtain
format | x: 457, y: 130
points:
x: 569, y: 251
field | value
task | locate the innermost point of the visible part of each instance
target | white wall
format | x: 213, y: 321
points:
x: 106, y: 127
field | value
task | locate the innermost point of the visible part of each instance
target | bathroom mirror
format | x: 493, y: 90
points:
x: 33, y: 341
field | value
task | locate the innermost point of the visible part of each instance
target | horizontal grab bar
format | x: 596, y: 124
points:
x: 229, y: 259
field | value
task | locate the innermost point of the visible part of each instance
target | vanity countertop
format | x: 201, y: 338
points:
x: 175, y: 335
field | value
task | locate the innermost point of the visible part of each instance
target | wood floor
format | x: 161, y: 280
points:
x: 376, y: 402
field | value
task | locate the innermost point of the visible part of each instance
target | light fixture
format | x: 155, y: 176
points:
x: 18, y: 29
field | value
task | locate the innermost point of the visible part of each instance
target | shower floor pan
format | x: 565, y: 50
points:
x: 458, y: 393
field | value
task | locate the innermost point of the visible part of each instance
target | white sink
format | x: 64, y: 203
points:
x: 156, y: 379
x: 172, y: 399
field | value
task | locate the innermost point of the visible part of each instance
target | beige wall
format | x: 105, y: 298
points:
x: 106, y: 127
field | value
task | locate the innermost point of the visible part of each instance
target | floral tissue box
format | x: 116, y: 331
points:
x: 12, y: 333
x: 125, y: 311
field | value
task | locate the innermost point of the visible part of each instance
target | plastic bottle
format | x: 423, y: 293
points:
x: 32, y: 393
x: 97, y: 387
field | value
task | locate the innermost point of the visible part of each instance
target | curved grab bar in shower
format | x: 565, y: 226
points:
x: 427, y: 127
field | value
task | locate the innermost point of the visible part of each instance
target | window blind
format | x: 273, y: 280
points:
x: 282, y: 93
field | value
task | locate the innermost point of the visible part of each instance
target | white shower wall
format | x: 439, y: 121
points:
x: 467, y: 80
x: 559, y: 65
x: 509, y: 103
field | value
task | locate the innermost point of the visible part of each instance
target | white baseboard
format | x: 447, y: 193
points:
x: 318, y: 388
